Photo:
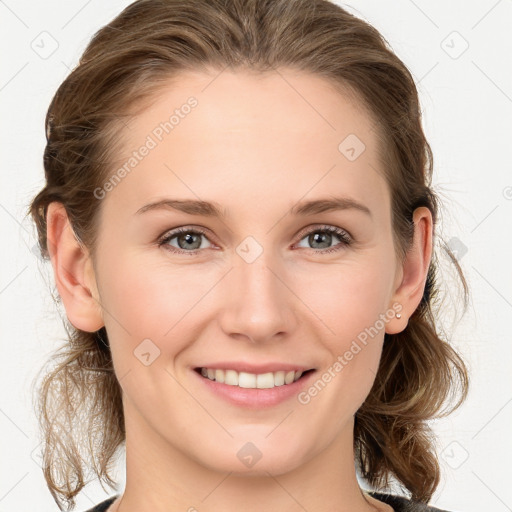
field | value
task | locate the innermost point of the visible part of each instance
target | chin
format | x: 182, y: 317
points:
x: 252, y: 458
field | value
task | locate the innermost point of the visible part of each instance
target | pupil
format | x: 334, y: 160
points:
x: 317, y: 237
x: 189, y: 239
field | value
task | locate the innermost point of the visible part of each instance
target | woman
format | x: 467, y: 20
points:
x: 239, y: 217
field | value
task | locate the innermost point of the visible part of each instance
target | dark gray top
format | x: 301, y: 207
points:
x: 399, y: 503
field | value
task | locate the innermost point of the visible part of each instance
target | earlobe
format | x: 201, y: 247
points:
x: 413, y: 271
x: 73, y: 272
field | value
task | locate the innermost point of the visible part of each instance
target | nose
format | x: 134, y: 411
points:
x: 258, y: 304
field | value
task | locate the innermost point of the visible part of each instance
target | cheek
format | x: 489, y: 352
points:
x: 147, y: 314
x: 353, y: 307
x: 140, y: 290
x: 140, y: 303
x: 347, y: 297
x: 149, y: 299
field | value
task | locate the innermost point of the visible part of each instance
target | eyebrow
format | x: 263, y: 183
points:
x: 212, y: 209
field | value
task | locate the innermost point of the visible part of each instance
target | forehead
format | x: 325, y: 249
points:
x: 249, y: 133
x: 259, y: 103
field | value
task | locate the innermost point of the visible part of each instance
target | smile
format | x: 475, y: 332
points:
x: 251, y: 380
x: 243, y: 389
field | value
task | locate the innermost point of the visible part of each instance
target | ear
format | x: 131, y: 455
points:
x: 73, y: 271
x: 412, y: 274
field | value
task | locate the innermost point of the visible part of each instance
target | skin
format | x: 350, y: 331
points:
x: 256, y: 145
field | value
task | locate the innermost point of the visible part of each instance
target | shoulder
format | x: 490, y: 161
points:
x: 103, y: 506
x: 403, y: 504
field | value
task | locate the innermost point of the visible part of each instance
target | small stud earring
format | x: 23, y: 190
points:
x: 398, y: 315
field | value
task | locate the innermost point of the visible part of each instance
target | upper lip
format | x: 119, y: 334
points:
x: 240, y: 366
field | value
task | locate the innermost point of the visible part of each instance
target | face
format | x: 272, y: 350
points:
x: 257, y: 282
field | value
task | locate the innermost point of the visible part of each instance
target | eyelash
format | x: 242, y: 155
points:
x: 345, y: 238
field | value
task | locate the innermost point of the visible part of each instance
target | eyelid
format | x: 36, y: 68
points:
x: 324, y: 227
x: 171, y: 233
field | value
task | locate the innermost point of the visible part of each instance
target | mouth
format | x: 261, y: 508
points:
x: 246, y: 380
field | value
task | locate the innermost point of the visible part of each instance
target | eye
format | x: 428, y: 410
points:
x: 189, y: 241
x: 186, y: 238
x: 323, y: 236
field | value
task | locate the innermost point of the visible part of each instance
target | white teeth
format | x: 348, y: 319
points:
x: 231, y: 377
x: 251, y: 380
x: 247, y: 380
x: 219, y: 375
x: 289, y: 378
x: 279, y: 378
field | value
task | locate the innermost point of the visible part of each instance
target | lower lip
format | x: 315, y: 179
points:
x: 256, y: 398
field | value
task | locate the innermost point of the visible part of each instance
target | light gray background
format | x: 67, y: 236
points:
x: 466, y: 95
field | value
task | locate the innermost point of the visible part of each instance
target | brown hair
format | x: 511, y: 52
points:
x: 125, y: 63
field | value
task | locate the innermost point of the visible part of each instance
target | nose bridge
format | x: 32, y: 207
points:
x: 258, y: 301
